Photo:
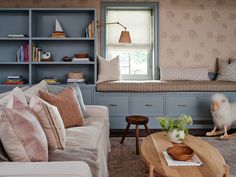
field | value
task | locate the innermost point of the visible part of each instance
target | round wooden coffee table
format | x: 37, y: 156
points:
x: 152, y: 148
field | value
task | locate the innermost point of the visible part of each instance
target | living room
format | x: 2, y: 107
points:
x: 98, y: 88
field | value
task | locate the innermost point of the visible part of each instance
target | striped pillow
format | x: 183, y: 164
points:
x: 226, y: 71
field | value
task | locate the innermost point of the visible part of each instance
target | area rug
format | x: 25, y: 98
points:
x: 123, y: 162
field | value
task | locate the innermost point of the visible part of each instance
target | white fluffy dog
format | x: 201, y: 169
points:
x: 224, y: 115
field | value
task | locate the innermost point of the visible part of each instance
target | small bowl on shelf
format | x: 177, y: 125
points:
x: 180, y: 152
x: 81, y: 55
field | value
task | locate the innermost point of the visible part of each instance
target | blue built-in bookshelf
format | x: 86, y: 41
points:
x: 38, y: 24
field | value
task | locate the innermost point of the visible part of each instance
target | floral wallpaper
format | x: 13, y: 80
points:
x: 192, y: 32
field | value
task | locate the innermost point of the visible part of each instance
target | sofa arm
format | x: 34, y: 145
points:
x: 45, y: 169
x: 97, y: 111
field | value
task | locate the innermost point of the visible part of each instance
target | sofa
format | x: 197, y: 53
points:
x: 85, y: 153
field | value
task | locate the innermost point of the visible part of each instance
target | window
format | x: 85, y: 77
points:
x: 136, y: 58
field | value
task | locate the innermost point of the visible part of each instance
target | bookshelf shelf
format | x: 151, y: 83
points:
x: 62, y: 39
x: 64, y: 63
x: 38, y: 24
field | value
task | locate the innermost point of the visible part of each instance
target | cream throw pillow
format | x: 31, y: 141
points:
x: 16, y: 92
x: 184, y: 73
x: 109, y: 70
x: 21, y: 134
x: 51, y: 122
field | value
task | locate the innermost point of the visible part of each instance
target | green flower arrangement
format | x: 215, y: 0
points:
x: 168, y: 124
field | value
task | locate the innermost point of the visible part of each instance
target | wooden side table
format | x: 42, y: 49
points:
x: 136, y: 120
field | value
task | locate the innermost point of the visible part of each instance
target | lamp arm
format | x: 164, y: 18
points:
x: 118, y: 23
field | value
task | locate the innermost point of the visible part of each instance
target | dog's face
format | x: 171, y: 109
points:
x: 218, y: 102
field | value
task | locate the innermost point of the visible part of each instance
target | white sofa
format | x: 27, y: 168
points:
x: 92, y: 137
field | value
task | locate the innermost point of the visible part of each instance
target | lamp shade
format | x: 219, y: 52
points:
x: 125, y: 37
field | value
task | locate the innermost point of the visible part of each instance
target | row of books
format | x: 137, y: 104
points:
x: 36, y: 53
x: 22, y: 53
x: 89, y: 30
x: 14, y: 80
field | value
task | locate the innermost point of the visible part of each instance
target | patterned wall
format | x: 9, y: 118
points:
x: 192, y: 32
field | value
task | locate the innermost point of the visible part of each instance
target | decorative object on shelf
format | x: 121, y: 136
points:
x: 22, y: 54
x: 67, y: 59
x: 180, y: 152
x: 52, y: 81
x: 81, y: 57
x: 77, y: 77
x: 58, y: 33
x: 176, y: 129
x: 15, y: 80
x: 46, y: 57
x: 89, y: 30
x: 224, y: 116
x: 13, y: 35
x: 124, y: 35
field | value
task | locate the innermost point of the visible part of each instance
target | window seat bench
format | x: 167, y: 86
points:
x: 166, y: 86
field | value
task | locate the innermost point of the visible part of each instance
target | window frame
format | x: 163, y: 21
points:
x: 155, y: 21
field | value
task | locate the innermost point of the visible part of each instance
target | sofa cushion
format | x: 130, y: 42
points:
x: 3, y: 154
x: 51, y: 122
x: 45, y: 169
x: 55, y: 89
x: 21, y: 134
x: 67, y: 104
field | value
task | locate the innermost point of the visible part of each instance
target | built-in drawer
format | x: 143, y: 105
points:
x: 151, y: 105
x: 181, y: 104
x: 204, y: 105
x: 117, y: 122
x: 117, y: 104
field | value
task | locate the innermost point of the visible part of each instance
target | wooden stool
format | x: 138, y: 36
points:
x: 136, y: 120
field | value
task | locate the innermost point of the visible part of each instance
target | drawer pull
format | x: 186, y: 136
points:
x: 113, y: 104
x: 182, y: 105
x: 148, y: 105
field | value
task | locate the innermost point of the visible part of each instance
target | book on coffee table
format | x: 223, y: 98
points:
x: 194, y: 161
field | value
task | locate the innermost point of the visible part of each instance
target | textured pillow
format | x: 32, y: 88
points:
x: 3, y: 154
x: 21, y: 134
x: 16, y: 92
x: 67, y: 104
x: 55, y: 89
x: 33, y: 91
x: 192, y: 73
x: 51, y: 122
x: 109, y: 70
x: 226, y: 71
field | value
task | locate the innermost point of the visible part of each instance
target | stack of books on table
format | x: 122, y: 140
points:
x: 15, y: 80
x: 22, y: 54
x: 76, y: 77
x: 58, y: 34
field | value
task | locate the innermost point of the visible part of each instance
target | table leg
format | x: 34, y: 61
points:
x: 147, y: 129
x: 137, y: 139
x: 124, y: 134
x: 151, y: 171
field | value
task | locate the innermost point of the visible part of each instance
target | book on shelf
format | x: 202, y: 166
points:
x: 79, y: 59
x: 36, y: 53
x: 22, y: 53
x: 12, y: 35
x: 14, y: 80
x: 194, y: 161
x: 76, y: 80
x: 89, y: 30
x: 52, y: 81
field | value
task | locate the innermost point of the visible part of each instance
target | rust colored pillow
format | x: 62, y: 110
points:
x: 67, y: 104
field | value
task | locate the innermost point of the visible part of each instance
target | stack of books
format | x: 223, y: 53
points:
x: 58, y: 34
x: 22, y: 54
x: 52, y: 81
x: 14, y: 80
x: 17, y: 35
x: 76, y: 77
x: 80, y: 57
x: 89, y: 30
x: 36, y: 53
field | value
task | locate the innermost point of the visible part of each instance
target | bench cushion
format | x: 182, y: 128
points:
x: 166, y: 86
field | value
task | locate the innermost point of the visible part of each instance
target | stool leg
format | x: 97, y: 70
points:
x: 137, y: 139
x: 124, y: 134
x: 147, y: 129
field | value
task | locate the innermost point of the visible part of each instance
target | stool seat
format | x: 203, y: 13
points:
x: 137, y: 120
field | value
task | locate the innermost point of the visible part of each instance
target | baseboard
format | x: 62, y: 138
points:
x: 131, y: 133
